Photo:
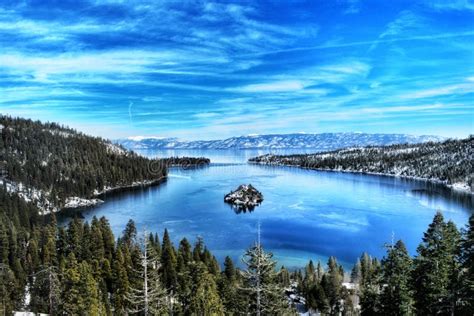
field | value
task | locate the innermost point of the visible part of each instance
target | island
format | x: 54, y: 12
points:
x: 246, y: 197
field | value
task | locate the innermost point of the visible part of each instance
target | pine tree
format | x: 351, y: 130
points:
x: 8, y: 284
x: 229, y: 269
x: 198, y: 250
x: 184, y: 282
x: 150, y: 298
x: 46, y: 290
x: 369, y: 285
x: 4, y: 244
x: 284, y: 277
x: 80, y: 291
x: 205, y: 299
x: 467, y: 259
x: 169, y: 262
x: 261, y: 283
x: 121, y: 284
x: 333, y: 285
x: 436, y: 269
x: 227, y: 285
x: 108, y: 238
x: 397, y: 295
x: 316, y: 298
x: 356, y: 273
x: 130, y: 233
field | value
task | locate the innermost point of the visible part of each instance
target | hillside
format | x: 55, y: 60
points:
x: 324, y: 141
x: 55, y: 166
x: 449, y: 162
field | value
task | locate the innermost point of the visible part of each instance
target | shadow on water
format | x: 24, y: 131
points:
x: 70, y: 213
x: 242, y: 209
x: 432, y: 192
x: 427, y: 191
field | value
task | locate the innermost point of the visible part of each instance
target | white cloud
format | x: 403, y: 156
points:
x: 405, y: 20
x: 407, y: 108
x: 348, y: 68
x: 462, y: 88
x: 353, y: 6
x: 456, y: 5
x: 205, y: 115
x: 277, y: 86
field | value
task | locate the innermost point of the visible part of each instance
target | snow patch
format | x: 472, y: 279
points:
x: 140, y: 138
x: 74, y: 202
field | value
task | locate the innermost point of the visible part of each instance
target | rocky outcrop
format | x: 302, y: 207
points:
x: 246, y: 197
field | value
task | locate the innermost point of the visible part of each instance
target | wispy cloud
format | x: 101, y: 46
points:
x: 405, y: 21
x: 278, y: 86
x: 197, y: 69
x: 353, y: 6
x: 461, y: 88
x: 456, y: 5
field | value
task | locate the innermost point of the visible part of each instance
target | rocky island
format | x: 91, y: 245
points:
x: 246, y: 197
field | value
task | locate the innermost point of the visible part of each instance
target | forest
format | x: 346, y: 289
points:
x: 449, y: 162
x: 83, y: 269
x: 50, y: 163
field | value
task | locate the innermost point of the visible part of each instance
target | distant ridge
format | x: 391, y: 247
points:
x: 324, y: 141
x: 448, y: 162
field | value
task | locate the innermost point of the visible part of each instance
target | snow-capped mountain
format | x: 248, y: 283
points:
x: 324, y: 141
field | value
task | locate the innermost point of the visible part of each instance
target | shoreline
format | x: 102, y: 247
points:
x: 85, y: 203
x: 98, y: 195
x: 121, y: 188
x: 452, y: 187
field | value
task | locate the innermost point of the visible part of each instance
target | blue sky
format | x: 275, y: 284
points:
x: 208, y: 70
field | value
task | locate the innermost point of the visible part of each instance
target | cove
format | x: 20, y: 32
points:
x: 306, y: 214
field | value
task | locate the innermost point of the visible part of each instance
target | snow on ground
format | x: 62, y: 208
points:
x: 58, y: 132
x: 73, y: 202
x: 111, y: 148
x: 30, y: 195
x: 464, y: 187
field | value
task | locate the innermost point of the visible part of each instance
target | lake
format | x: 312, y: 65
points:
x: 305, y: 214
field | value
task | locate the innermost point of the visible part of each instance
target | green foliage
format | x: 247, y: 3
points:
x: 369, y: 285
x: 449, y: 161
x: 396, y: 297
x: 467, y: 263
x: 436, y: 268
x: 205, y: 299
x: 63, y: 162
x: 265, y: 296
x: 169, y: 262
x: 82, y: 269
x: 332, y: 285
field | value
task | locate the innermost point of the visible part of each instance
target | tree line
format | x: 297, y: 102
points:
x: 83, y: 269
x: 439, y: 280
x: 449, y: 161
x: 61, y: 162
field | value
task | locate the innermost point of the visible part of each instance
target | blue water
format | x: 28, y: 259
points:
x: 305, y: 215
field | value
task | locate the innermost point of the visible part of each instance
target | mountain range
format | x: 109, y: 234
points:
x: 323, y: 141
